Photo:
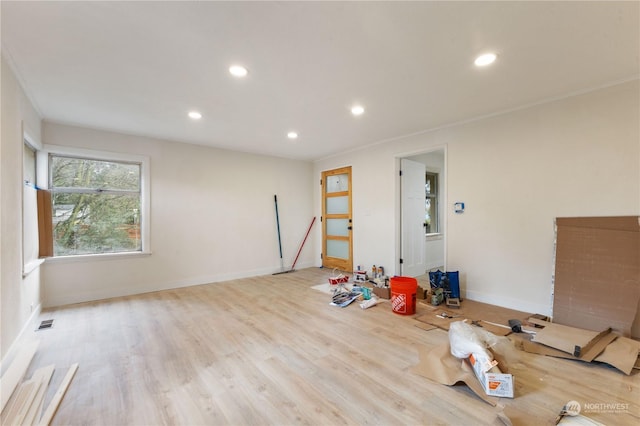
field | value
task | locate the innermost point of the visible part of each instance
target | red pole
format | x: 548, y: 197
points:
x: 303, y: 241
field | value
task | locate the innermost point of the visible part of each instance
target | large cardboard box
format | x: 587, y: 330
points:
x: 494, y: 384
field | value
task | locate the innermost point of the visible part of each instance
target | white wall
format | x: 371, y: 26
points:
x: 19, y: 297
x: 212, y: 218
x: 516, y: 172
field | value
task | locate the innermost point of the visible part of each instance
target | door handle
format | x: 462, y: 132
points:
x: 349, y: 228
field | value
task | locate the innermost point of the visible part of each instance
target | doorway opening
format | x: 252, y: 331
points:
x: 421, y: 221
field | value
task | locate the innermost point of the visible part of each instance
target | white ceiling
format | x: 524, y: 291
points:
x: 139, y: 67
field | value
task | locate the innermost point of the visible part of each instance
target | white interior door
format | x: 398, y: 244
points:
x: 412, y: 206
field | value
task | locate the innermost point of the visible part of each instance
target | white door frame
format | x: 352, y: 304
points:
x: 443, y: 199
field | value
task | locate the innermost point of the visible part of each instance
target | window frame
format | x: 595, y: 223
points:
x: 29, y: 264
x: 89, y: 154
x: 434, y: 196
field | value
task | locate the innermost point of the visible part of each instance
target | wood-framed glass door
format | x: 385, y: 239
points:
x: 337, y: 230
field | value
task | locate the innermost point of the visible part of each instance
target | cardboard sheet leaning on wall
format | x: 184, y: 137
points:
x: 597, y: 273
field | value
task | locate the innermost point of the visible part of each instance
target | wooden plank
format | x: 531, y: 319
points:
x: 28, y: 402
x: 15, y: 372
x: 53, y: 405
x: 589, y: 354
x: 43, y: 376
x: 581, y: 351
x: 16, y: 406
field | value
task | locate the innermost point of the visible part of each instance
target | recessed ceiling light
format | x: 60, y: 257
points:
x: 238, y: 70
x: 195, y: 115
x: 357, y: 110
x: 485, y: 59
x: 292, y: 135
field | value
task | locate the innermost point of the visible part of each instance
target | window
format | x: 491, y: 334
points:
x: 98, y: 204
x: 431, y: 203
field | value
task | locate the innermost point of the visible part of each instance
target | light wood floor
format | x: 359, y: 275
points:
x: 270, y: 350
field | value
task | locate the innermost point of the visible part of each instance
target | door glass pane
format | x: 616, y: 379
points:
x: 337, y: 183
x: 338, y: 205
x: 338, y: 248
x: 338, y: 227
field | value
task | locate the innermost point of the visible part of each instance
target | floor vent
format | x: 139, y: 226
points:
x: 45, y: 324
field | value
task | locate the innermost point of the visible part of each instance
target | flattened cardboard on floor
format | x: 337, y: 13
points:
x: 622, y: 353
x: 439, y: 365
x: 597, y: 272
x: 471, y: 310
x: 575, y: 341
x: 617, y: 351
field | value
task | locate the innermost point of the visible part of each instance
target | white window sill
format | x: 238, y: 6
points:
x: 96, y: 257
x: 31, y: 266
x: 434, y: 236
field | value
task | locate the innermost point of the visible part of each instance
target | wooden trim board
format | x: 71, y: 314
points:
x: 33, y: 389
x: 18, y: 402
x: 43, y: 376
x: 53, y: 405
x: 16, y: 371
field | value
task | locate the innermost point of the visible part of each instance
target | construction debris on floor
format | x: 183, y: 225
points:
x: 492, y: 318
x: 441, y: 366
x: 577, y: 344
x: 474, y: 345
x: 478, y: 371
x: 23, y: 401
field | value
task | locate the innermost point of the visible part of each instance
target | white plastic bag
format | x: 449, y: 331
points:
x: 466, y: 339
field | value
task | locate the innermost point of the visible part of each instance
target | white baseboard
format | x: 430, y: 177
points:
x: 509, y: 302
x: 55, y: 298
x: 17, y: 343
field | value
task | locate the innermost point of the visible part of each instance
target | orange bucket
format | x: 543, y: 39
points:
x: 403, y: 295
